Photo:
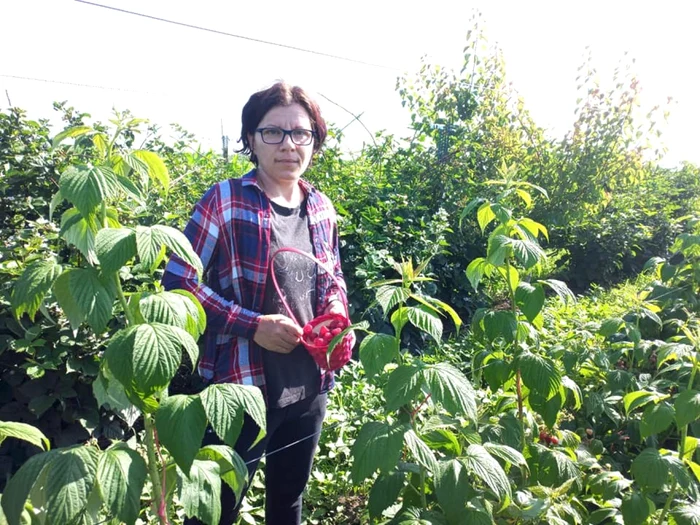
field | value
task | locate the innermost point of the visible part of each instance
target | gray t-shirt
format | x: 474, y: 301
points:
x: 289, y: 378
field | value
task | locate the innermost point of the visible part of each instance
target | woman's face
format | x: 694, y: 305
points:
x: 284, y: 162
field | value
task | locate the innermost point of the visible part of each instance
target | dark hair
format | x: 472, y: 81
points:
x: 279, y: 94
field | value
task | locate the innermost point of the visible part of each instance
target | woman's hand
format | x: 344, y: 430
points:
x: 277, y: 333
x: 335, y: 307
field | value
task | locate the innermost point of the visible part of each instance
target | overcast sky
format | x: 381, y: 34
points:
x: 169, y: 73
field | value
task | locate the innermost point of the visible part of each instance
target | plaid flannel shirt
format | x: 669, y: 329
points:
x: 230, y: 231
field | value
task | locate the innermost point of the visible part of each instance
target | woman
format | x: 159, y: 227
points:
x: 251, y: 339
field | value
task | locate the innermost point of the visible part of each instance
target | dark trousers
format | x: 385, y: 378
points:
x: 286, y: 469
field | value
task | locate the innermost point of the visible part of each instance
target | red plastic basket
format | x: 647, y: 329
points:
x: 314, y: 337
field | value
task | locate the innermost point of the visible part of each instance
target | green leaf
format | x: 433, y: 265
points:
x: 450, y: 480
x: 31, y: 287
x: 500, y: 324
x: 70, y: 478
x: 484, y: 216
x: 224, y: 405
x: 450, y: 387
x: 420, y: 451
x: 530, y: 299
x: 115, y: 247
x: 25, y: 432
x: 384, y: 492
x: 691, y: 445
x: 376, y: 351
x: 403, y: 385
x: 200, y: 491
x: 476, y: 271
x: 656, y: 419
x: 83, y: 296
x: 561, y: 289
x: 539, y: 374
x: 425, y: 320
x: 611, y: 326
x: 390, y: 296
x: 636, y: 508
x: 72, y: 132
x: 177, y: 309
x: 441, y: 305
x: 417, y: 516
x: 687, y: 514
x: 181, y: 422
x: 511, y: 275
x: 678, y: 471
x: 80, y: 232
x: 121, y: 474
x: 88, y: 186
x: 157, y: 170
x: 477, y: 460
x: 497, y: 249
x: 232, y: 468
x: 496, y: 372
x: 150, y: 242
x: 145, y: 357
x: 638, y: 398
x: 20, y: 485
x: 535, y: 228
x: 548, y: 408
x: 687, y: 406
x: 507, y: 454
x: 649, y: 469
x: 378, y: 446
x: 399, y: 319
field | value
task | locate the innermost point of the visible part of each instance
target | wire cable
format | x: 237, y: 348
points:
x: 242, y: 37
x: 92, y: 86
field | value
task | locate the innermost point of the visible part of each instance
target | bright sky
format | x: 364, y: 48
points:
x: 169, y: 73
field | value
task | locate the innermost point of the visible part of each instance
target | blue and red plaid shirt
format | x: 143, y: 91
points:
x: 230, y: 231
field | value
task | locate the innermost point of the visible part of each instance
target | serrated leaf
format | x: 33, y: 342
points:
x: 181, y: 422
x: 426, y: 321
x: 145, y: 357
x: 200, y: 491
x: 450, y: 387
x: 484, y: 216
x: 511, y: 275
x: 687, y: 406
x: 656, y: 419
x: 476, y: 271
x: 72, y: 132
x: 378, y: 446
x: 121, y: 474
x: 636, y: 508
x: 477, y: 460
x: 157, y: 170
x: 232, y: 468
x: 507, y: 454
x: 420, y: 451
x: 561, y: 289
x: 384, y: 492
x: 20, y: 485
x: 403, y: 385
x: 31, y: 287
x: 500, y: 324
x: 115, y: 247
x: 687, y: 514
x: 539, y: 374
x: 83, y: 296
x: 80, y: 232
x: 525, y: 196
x: 638, y: 398
x: 611, y: 326
x: 376, y: 351
x: 390, y: 296
x: 87, y: 186
x: 649, y: 469
x: 70, y: 478
x: 177, y: 309
x: 530, y: 299
x: 399, y: 319
x: 678, y: 471
x: 224, y: 405
x: 25, y: 432
x: 150, y: 243
x: 497, y: 249
x: 450, y: 478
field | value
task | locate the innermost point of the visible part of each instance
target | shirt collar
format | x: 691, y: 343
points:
x: 251, y: 179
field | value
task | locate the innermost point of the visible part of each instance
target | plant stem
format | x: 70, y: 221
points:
x: 153, y: 470
x: 423, y: 499
x: 122, y: 300
x: 667, y: 505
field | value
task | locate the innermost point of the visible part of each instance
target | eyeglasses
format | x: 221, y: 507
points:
x: 300, y: 137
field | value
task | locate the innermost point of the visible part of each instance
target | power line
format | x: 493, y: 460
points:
x: 251, y: 39
x: 92, y: 86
